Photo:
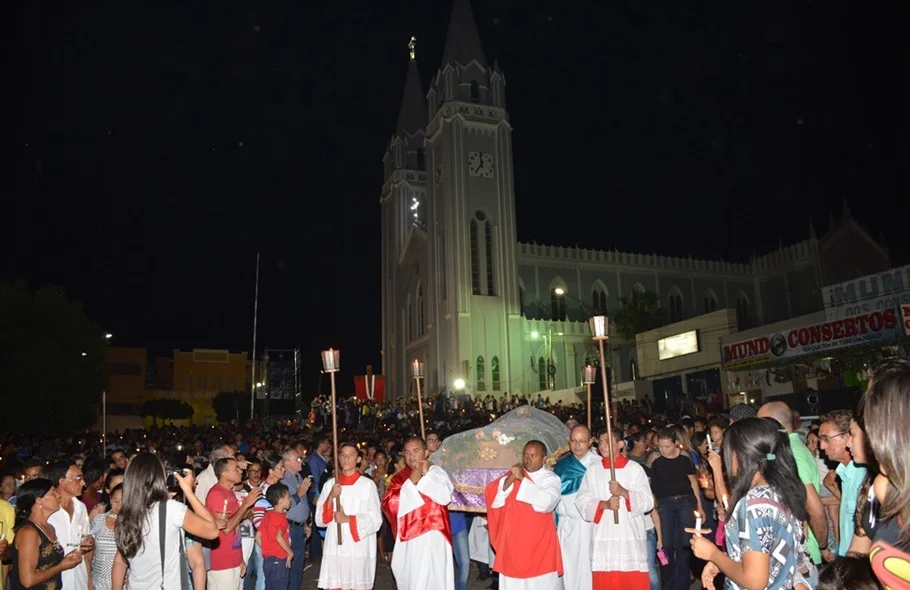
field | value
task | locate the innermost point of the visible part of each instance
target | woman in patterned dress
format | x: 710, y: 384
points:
x: 102, y: 527
x: 764, y: 530
x: 38, y: 558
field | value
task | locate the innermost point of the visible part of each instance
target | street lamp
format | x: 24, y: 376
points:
x: 108, y: 336
x: 559, y: 291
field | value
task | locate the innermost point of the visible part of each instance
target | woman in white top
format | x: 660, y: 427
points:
x: 137, y: 528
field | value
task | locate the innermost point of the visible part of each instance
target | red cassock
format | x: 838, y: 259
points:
x: 525, y: 540
x: 429, y: 517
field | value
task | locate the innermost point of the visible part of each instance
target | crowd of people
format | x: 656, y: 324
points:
x: 746, y: 498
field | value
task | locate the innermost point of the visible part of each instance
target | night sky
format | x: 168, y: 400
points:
x: 161, y: 144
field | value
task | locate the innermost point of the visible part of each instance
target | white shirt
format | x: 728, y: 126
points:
x: 69, y: 533
x: 145, y: 567
x: 205, y: 482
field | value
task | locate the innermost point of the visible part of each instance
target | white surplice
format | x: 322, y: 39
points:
x: 619, y: 547
x: 426, y: 561
x: 575, y: 537
x: 351, y: 565
x: 542, y: 490
x: 479, y: 541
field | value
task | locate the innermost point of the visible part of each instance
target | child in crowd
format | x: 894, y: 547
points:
x: 274, y: 536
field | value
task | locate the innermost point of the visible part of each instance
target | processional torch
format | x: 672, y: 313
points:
x: 417, y: 371
x: 331, y: 363
x: 600, y: 333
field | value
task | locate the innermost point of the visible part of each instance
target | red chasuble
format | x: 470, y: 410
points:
x: 429, y: 517
x: 525, y: 540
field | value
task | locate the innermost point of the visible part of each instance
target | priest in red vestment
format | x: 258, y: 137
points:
x: 415, y: 505
x: 522, y: 527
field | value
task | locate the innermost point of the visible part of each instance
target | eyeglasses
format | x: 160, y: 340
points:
x: 827, y: 437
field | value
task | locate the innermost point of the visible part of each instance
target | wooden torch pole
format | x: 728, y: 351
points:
x: 417, y: 369
x: 599, y: 329
x: 330, y: 363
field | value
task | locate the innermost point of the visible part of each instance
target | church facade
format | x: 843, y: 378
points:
x: 462, y: 294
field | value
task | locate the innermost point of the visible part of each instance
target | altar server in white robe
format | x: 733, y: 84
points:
x: 619, y: 552
x: 352, y: 564
x: 574, y: 531
x: 415, y: 505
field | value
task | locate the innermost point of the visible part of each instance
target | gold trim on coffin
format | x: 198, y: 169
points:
x: 465, y: 488
x: 467, y: 509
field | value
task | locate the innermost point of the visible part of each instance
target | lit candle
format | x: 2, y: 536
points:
x: 726, y: 507
x: 224, y: 510
x: 710, y: 444
x: 697, y: 523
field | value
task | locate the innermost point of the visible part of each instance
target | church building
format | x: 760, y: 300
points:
x: 462, y: 294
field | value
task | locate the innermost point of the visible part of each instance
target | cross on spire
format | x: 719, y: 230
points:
x: 411, y: 47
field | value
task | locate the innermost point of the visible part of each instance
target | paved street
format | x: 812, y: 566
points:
x: 384, y: 579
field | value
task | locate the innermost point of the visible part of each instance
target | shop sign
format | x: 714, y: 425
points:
x: 678, y: 345
x: 875, y: 292
x: 860, y: 330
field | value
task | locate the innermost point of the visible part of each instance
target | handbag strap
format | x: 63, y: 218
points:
x: 162, y: 521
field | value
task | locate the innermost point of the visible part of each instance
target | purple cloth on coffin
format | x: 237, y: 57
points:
x: 469, y: 487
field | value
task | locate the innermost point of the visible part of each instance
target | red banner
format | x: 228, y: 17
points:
x: 370, y: 387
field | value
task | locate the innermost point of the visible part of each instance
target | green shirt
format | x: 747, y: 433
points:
x: 808, y: 474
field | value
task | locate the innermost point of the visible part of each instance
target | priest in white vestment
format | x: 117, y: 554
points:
x: 574, y: 531
x: 619, y: 552
x: 522, y: 529
x: 352, y: 564
x: 415, y: 505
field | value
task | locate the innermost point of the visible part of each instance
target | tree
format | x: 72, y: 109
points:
x: 51, y: 359
x: 167, y: 409
x: 640, y: 313
x: 228, y: 405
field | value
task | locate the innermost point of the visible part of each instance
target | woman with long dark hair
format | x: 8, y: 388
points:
x: 138, y: 529
x: 886, y: 517
x: 38, y: 558
x: 764, y: 529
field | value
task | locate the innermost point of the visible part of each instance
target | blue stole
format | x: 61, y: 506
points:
x: 570, y: 471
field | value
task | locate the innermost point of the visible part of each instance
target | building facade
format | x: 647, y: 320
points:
x: 462, y: 294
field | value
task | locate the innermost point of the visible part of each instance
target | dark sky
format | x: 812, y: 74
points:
x: 161, y: 144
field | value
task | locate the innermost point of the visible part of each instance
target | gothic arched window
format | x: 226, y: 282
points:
x: 599, y: 299
x: 409, y: 327
x: 494, y: 367
x: 558, y: 303
x: 481, y: 375
x: 421, y: 317
x: 742, y: 310
x: 675, y: 305
x: 475, y: 91
x: 475, y: 259
x: 421, y: 159
x: 541, y: 374
x: 488, y: 246
x: 710, y: 302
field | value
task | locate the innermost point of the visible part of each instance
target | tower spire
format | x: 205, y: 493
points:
x: 413, y: 113
x: 462, y: 40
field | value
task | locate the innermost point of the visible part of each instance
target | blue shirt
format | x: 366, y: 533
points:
x: 317, y: 467
x: 300, y: 509
x: 851, y: 480
x: 457, y: 521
